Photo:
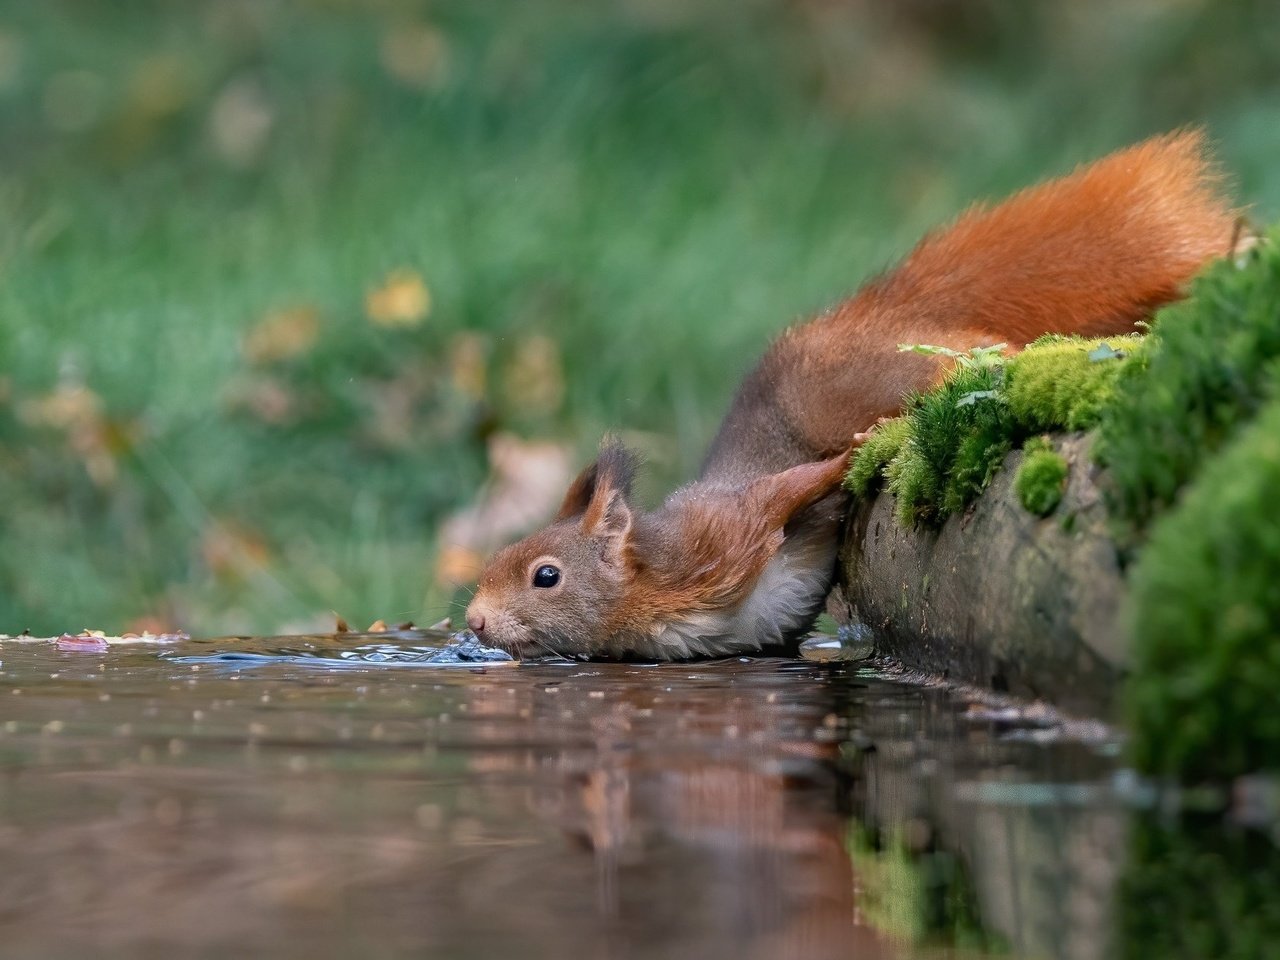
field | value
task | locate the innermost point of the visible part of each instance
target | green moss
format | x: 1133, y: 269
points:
x: 959, y: 434
x: 1063, y: 383
x: 1205, y: 612
x: 1194, y: 888
x: 1041, y: 478
x: 1205, y: 375
x: 913, y: 483
x: 870, y: 460
x: 946, y: 448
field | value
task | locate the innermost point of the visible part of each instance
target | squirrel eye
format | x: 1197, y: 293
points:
x: 546, y: 576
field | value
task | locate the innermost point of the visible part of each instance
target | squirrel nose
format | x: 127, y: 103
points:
x: 475, y: 621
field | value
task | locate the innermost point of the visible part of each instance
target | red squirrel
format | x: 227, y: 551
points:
x: 741, y: 559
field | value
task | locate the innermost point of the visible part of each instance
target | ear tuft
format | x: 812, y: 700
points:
x: 613, y: 470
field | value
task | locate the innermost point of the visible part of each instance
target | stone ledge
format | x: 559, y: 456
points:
x: 997, y: 597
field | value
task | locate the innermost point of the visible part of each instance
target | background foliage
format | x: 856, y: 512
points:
x: 272, y: 274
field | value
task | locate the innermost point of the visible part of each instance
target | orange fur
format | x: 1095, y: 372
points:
x: 728, y: 539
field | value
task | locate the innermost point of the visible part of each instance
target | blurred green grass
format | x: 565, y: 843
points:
x: 653, y: 188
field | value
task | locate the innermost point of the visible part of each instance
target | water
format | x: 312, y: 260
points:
x: 296, y: 798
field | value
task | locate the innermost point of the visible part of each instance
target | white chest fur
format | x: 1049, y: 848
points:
x: 786, y: 598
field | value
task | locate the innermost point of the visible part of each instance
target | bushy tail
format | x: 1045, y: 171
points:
x: 1089, y: 253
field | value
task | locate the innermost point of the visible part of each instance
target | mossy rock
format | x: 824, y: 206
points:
x: 1205, y: 619
x: 997, y: 596
x: 942, y: 453
x: 1207, y: 373
x: 1186, y: 424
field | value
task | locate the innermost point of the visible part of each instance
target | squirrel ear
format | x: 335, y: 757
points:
x: 579, y: 494
x: 608, y: 520
x: 612, y: 470
x: 780, y: 496
x: 599, y: 498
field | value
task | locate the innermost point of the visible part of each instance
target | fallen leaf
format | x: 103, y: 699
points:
x: 402, y: 300
x: 469, y: 364
x: 67, y: 406
x: 378, y: 626
x: 232, y: 551
x: 395, y: 410
x: 160, y: 85
x: 240, y: 121
x: 416, y: 55
x: 342, y: 625
x: 265, y: 397
x: 528, y: 480
x: 84, y: 642
x: 77, y: 411
x: 457, y: 565
x: 282, y: 334
x: 533, y: 380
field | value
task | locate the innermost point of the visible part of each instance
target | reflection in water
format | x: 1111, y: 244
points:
x: 736, y: 809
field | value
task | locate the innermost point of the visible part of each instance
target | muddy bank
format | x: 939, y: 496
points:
x: 997, y: 596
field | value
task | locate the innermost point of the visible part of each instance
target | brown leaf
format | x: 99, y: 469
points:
x: 528, y: 481
x: 378, y: 626
x: 265, y: 397
x: 341, y: 626
x: 456, y: 565
x: 232, y: 551
x: 68, y: 406
x: 282, y: 334
x: 77, y: 411
x: 534, y: 378
x: 240, y: 120
x: 160, y: 85
x: 394, y: 406
x: 86, y: 641
x: 469, y: 364
x: 416, y: 55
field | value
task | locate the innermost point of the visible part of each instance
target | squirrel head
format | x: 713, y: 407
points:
x: 560, y: 589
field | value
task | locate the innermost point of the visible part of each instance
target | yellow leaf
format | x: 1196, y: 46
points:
x: 401, y: 301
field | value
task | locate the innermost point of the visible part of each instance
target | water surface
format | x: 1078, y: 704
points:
x: 294, y: 798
